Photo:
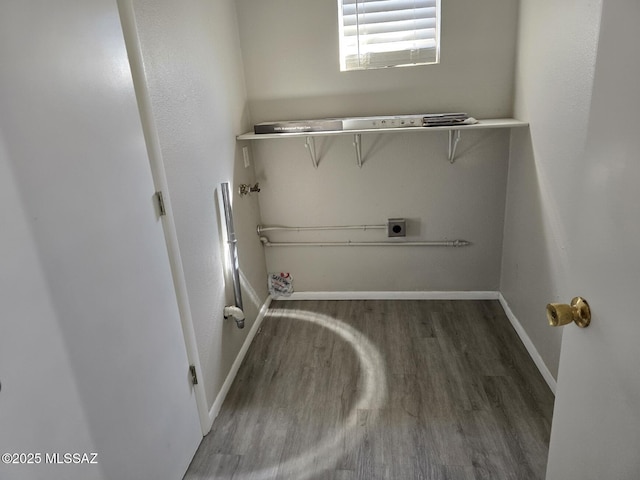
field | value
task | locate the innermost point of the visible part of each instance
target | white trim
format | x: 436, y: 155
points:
x: 533, y: 351
x: 222, y: 394
x: 472, y: 295
x: 152, y: 140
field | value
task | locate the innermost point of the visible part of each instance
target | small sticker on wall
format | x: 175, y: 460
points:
x: 280, y: 284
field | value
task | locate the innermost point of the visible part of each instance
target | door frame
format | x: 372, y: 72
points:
x: 134, y: 52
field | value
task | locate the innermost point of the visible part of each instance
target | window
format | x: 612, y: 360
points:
x: 388, y: 33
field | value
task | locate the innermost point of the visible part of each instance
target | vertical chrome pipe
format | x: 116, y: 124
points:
x: 233, y: 257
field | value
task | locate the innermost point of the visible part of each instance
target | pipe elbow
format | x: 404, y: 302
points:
x: 236, y: 313
x: 233, y: 311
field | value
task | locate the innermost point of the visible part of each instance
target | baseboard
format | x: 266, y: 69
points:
x: 533, y: 351
x: 217, y: 404
x: 462, y: 295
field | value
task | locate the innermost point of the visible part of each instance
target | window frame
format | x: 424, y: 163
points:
x: 385, y: 59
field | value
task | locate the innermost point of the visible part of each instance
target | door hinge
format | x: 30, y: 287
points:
x: 161, y: 208
x: 194, y: 375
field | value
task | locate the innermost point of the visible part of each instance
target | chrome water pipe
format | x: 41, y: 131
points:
x: 235, y: 311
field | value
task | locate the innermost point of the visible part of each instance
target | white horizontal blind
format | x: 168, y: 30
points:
x: 386, y: 33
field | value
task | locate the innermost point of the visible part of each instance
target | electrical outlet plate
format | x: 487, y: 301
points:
x: 396, y: 227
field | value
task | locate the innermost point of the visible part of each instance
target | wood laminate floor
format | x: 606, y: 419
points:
x: 367, y: 390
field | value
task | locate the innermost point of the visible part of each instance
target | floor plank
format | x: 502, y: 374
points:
x: 371, y: 389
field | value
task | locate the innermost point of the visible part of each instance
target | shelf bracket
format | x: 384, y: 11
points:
x: 357, y: 143
x: 454, y: 138
x: 310, y: 145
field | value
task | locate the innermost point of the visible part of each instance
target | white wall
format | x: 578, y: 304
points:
x: 292, y: 68
x: 554, y: 79
x: 194, y: 75
x: 292, y: 71
x: 34, y: 362
x: 404, y: 175
x: 92, y: 354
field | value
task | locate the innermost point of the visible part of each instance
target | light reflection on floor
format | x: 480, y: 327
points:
x: 325, y: 454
